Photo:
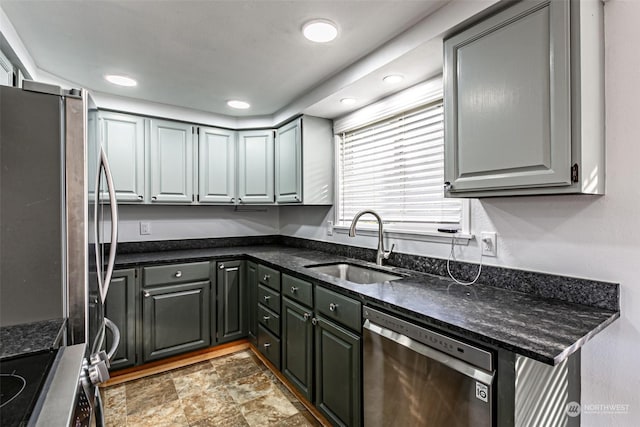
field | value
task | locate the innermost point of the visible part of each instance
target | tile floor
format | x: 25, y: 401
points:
x: 233, y: 390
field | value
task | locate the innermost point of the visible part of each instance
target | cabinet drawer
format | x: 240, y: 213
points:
x: 269, y: 345
x: 298, y: 290
x: 269, y: 277
x: 269, y: 319
x: 175, y: 273
x: 340, y: 308
x: 268, y: 298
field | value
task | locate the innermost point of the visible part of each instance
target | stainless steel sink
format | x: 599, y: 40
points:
x: 354, y: 273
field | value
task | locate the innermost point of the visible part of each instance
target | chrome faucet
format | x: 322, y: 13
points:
x: 382, y: 254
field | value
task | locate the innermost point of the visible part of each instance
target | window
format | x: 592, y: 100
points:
x: 395, y: 166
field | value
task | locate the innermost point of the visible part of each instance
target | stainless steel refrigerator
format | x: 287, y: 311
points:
x: 58, y: 225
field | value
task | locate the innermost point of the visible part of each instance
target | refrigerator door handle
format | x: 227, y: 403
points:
x: 115, y: 332
x: 104, y: 282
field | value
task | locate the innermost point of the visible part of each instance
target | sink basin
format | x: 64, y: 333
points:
x: 354, y: 273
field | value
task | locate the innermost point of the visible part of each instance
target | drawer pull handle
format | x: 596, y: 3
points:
x: 221, y: 266
x: 146, y: 294
x: 314, y: 321
x: 266, y: 278
x: 154, y: 198
x: 333, y: 307
x: 266, y: 318
x: 306, y: 316
x: 267, y: 345
x: 294, y: 289
x: 140, y: 197
x: 267, y: 297
x: 178, y: 274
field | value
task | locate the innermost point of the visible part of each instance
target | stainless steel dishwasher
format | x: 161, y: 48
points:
x: 414, y: 376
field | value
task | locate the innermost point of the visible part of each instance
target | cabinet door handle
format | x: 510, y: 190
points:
x: 233, y: 199
x: 140, y: 197
x: 178, y: 274
x: 266, y: 278
x: 154, y: 198
x: 239, y: 199
x: 333, y: 307
x: 314, y: 321
x: 146, y: 294
x: 447, y: 186
x: 221, y: 266
x: 266, y: 318
x: 267, y: 297
x: 294, y: 289
x: 267, y: 345
x: 306, y: 316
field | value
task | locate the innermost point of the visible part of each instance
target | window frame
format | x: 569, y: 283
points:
x: 423, y: 232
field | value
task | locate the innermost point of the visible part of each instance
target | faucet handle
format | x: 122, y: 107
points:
x: 387, y: 254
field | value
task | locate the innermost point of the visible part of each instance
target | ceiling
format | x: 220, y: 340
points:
x: 199, y: 54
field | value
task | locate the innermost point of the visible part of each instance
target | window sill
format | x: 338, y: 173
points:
x: 422, y: 236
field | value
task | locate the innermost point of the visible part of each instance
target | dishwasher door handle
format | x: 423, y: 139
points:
x: 416, y: 346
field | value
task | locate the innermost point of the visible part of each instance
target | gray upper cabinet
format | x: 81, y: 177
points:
x: 523, y: 102
x: 122, y: 136
x: 255, y: 166
x: 171, y: 159
x: 216, y: 165
x: 289, y: 163
x: 304, y: 162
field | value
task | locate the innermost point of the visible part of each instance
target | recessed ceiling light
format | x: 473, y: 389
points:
x: 320, y: 30
x: 120, y: 80
x: 348, y: 101
x: 240, y: 105
x: 393, y: 78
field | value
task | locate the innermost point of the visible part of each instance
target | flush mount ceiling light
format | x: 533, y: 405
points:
x: 120, y: 80
x: 393, y: 78
x: 320, y: 30
x: 239, y: 105
x: 348, y: 101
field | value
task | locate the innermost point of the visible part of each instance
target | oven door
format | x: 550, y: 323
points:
x: 407, y: 383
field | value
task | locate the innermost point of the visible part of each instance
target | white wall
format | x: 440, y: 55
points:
x: 582, y: 236
x: 195, y: 222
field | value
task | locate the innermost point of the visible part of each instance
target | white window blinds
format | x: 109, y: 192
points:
x: 396, y: 167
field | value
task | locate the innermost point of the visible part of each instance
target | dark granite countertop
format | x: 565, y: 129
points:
x: 543, y: 329
x: 30, y: 337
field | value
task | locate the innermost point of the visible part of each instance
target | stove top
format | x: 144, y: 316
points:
x: 21, y: 379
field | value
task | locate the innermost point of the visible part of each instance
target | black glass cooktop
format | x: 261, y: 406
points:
x: 21, y: 379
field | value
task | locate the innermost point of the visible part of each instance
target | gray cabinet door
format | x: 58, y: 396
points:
x: 252, y: 301
x: 122, y: 136
x: 297, y: 346
x: 120, y: 308
x: 288, y: 163
x: 507, y: 100
x: 175, y: 319
x: 232, y: 322
x: 338, y: 373
x: 217, y: 165
x: 171, y: 158
x: 255, y: 167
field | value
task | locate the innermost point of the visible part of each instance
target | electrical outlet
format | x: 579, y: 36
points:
x: 489, y: 243
x: 145, y: 228
x: 329, y: 228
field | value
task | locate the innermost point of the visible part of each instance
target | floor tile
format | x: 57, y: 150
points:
x: 169, y: 414
x: 149, y: 392
x: 268, y: 410
x: 250, y: 387
x: 234, y: 421
x: 235, y: 366
x: 216, y: 404
x: 198, y: 382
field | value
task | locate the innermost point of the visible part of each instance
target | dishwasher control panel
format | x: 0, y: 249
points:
x: 458, y: 349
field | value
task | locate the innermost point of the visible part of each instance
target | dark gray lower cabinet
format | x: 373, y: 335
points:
x: 120, y: 308
x: 297, y: 346
x: 231, y: 307
x: 252, y: 301
x: 175, y: 319
x: 338, y: 379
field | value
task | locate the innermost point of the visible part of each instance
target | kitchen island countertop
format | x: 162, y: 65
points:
x: 543, y: 329
x: 30, y: 337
